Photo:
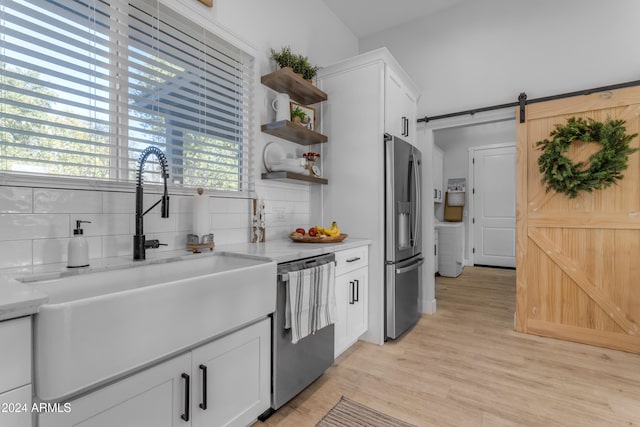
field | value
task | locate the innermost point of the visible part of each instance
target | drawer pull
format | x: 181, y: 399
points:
x: 203, y: 405
x: 352, y: 293
x: 187, y: 402
x: 354, y: 259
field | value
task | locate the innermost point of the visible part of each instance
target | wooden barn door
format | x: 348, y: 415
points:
x: 578, y: 260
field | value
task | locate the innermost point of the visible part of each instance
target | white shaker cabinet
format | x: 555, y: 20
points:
x: 438, y: 174
x: 15, y: 373
x: 15, y: 407
x: 172, y: 393
x: 234, y: 373
x: 356, y: 116
x: 400, y: 107
x: 154, y: 397
x: 351, y: 297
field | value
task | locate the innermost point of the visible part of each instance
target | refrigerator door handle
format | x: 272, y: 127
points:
x: 416, y: 199
x: 411, y: 267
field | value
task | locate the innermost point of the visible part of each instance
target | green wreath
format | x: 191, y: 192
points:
x: 605, y: 166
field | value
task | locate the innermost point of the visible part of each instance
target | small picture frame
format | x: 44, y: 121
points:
x: 309, y: 112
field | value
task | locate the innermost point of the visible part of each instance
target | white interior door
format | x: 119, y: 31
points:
x: 494, y: 224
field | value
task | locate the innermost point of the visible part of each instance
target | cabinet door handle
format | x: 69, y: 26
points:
x: 406, y: 126
x: 439, y: 194
x: 435, y: 193
x: 357, y: 286
x: 187, y: 401
x: 203, y: 405
x: 354, y: 259
x: 351, y: 293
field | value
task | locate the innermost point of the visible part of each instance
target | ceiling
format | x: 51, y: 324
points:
x: 367, y: 17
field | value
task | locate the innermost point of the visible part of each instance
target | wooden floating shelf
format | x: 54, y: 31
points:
x: 299, y: 134
x: 286, y: 81
x: 294, y: 176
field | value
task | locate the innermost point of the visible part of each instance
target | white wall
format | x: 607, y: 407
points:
x: 480, y: 53
x: 36, y: 222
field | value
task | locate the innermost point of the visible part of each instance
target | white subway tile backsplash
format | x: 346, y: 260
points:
x: 32, y: 226
x: 47, y: 200
x: 117, y: 202
x: 184, y: 223
x: 226, y: 236
x: 228, y: 205
x: 180, y: 204
x: 49, y: 251
x: 154, y: 223
x: 274, y: 233
x: 103, y: 224
x: 230, y: 220
x: 113, y: 246
x: 17, y: 253
x: 16, y: 200
x: 36, y: 223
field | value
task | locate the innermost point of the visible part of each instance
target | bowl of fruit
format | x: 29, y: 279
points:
x: 318, y: 234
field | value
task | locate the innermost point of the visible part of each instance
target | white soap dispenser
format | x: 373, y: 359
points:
x: 78, y: 248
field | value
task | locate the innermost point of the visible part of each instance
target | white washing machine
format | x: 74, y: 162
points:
x: 450, y: 248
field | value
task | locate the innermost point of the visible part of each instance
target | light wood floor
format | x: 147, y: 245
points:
x: 465, y: 366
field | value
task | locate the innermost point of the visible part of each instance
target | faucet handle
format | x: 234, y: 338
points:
x: 153, y: 244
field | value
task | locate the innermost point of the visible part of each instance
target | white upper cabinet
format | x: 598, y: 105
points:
x: 363, y: 103
x: 400, y: 106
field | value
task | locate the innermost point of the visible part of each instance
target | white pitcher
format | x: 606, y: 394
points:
x: 281, y: 106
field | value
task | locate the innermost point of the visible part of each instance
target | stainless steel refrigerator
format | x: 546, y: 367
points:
x: 403, y: 235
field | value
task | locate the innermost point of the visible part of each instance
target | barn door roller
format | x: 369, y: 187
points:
x: 522, y: 100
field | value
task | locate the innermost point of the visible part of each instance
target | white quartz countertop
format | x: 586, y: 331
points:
x: 288, y: 250
x: 19, y: 299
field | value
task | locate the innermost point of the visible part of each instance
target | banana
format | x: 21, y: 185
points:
x: 334, y: 230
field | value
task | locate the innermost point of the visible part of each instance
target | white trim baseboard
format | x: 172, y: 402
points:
x: 429, y: 307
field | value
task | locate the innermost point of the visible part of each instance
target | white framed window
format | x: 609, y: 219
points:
x: 86, y: 85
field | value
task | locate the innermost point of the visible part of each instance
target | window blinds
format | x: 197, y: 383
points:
x: 86, y: 85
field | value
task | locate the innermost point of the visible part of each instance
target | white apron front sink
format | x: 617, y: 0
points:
x: 101, y: 325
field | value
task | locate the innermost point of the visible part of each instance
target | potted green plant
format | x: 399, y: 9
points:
x: 298, y: 63
x: 284, y: 58
x: 298, y: 116
x: 307, y: 70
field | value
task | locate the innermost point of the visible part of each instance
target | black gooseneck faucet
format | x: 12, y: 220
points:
x: 139, y: 243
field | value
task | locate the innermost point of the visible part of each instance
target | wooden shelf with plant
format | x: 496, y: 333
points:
x: 294, y: 77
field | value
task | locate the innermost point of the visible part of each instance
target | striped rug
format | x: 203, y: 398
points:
x: 348, y: 413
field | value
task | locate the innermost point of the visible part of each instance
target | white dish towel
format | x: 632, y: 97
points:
x: 311, y: 300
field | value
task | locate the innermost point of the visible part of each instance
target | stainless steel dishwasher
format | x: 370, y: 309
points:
x: 295, y: 366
